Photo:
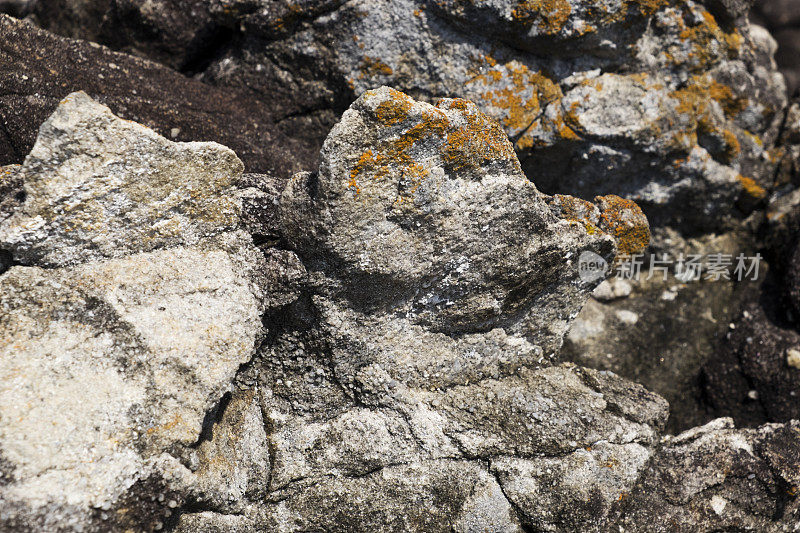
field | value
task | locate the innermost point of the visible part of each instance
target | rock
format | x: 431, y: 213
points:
x: 612, y: 289
x: 755, y: 356
x: 129, y: 190
x: 782, y: 19
x: 110, y: 368
x: 666, y: 103
x: 38, y: 69
x: 114, y: 356
x: 661, y: 335
x: 400, y: 182
x: 716, y: 477
x: 11, y: 191
x: 389, y: 409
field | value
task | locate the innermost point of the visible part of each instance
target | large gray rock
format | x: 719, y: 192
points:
x: 395, y: 408
x: 109, y: 188
x: 111, y: 365
x: 423, y: 212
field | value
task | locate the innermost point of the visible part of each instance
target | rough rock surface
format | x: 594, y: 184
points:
x: 695, y: 97
x: 110, y: 365
x: 660, y: 334
x: 373, y: 347
x: 111, y: 188
x: 117, y: 365
x: 717, y: 478
x: 38, y: 69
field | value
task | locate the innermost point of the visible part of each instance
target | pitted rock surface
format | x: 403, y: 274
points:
x: 674, y: 104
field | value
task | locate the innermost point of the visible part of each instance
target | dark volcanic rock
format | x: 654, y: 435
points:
x: 717, y: 478
x: 38, y: 69
x: 755, y: 373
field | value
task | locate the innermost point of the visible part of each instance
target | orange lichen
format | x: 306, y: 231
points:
x: 550, y: 15
x: 695, y: 100
x: 578, y: 210
x: 702, y: 36
x: 517, y: 98
x: 612, y: 215
x: 625, y: 221
x: 394, y: 110
x: 468, y: 143
x: 372, y: 66
x: 732, y: 147
x: 751, y: 188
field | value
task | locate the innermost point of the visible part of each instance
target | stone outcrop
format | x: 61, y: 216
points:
x: 376, y: 343
x: 131, y: 364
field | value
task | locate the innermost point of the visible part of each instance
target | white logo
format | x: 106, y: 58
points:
x: 591, y: 267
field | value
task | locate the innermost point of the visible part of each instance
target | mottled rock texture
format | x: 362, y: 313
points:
x: 671, y: 103
x: 113, y: 354
x: 129, y: 367
x: 373, y: 346
x: 38, y: 69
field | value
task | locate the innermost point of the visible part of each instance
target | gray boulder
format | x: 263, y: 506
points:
x: 114, y: 355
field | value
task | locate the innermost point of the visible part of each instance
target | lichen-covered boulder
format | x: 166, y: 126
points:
x: 415, y: 371
x: 674, y: 104
x: 424, y: 212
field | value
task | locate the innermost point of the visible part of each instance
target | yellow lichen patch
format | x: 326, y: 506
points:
x: 732, y: 147
x: 751, y: 188
x: 480, y: 139
x: 707, y: 40
x: 372, y: 66
x: 465, y: 142
x: 394, y: 110
x: 625, y: 221
x: 578, y: 210
x: 549, y: 15
x: 517, y: 97
x: 517, y: 93
x: 695, y: 100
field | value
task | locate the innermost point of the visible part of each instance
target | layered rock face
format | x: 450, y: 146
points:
x: 368, y: 330
x: 677, y: 105
x: 393, y: 372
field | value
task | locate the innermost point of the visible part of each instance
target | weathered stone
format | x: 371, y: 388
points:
x: 782, y: 19
x: 378, y: 395
x: 749, y: 378
x: 716, y: 477
x: 109, y: 368
x: 660, y: 335
x: 38, y: 69
x: 400, y: 183
x: 111, y: 365
x: 109, y: 188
